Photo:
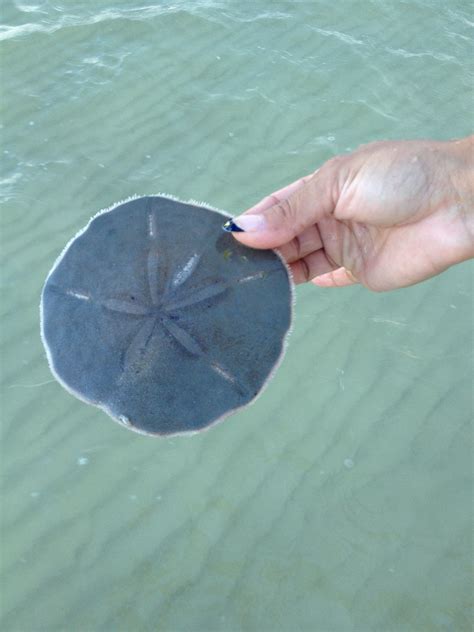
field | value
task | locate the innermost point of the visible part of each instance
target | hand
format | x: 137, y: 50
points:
x: 387, y: 215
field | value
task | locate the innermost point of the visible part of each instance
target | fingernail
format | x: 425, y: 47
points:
x: 230, y: 227
x: 245, y: 223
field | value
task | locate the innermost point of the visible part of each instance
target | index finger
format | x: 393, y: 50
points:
x: 278, y: 196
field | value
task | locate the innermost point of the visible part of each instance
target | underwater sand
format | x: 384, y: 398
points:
x: 341, y: 499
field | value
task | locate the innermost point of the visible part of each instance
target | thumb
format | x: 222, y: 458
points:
x: 279, y: 217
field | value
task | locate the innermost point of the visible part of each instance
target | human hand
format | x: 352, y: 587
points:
x: 388, y: 215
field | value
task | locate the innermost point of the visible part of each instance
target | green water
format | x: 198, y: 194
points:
x: 341, y: 500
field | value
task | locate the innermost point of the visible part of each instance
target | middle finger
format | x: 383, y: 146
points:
x: 303, y: 244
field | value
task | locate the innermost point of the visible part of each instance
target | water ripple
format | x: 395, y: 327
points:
x: 67, y: 21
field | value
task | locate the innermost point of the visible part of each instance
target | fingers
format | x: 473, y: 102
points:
x: 277, y: 196
x: 278, y: 218
x: 301, y: 245
x: 311, y: 266
x: 337, y: 278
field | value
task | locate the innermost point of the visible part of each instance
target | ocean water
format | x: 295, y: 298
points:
x: 341, y: 500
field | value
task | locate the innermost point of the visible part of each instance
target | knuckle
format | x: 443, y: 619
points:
x: 297, y: 248
x: 285, y: 212
x: 305, y: 270
x: 334, y: 162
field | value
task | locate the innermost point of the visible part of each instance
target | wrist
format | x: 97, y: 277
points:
x: 461, y: 173
x: 462, y: 153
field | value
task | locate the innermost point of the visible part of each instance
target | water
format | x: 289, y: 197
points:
x: 341, y: 499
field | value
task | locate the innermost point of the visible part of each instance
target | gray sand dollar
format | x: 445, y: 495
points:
x: 162, y: 319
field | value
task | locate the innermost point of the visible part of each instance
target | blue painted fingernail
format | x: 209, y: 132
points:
x: 231, y: 227
x: 246, y: 223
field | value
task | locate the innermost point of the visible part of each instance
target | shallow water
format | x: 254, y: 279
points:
x: 341, y: 499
